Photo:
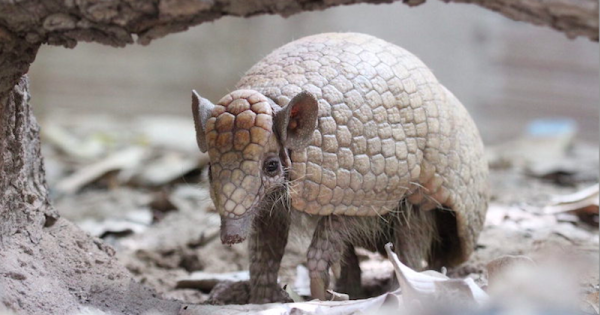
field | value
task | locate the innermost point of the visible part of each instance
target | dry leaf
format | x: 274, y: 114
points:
x: 205, y: 281
x: 74, y: 147
x: 585, y: 200
x: 423, y: 288
x: 367, y: 306
x: 135, y: 221
x: 168, y: 167
x: 336, y: 296
x: 167, y: 131
x: 125, y: 159
x: 293, y: 294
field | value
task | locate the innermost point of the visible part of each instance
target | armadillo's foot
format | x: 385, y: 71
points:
x: 229, y: 292
x: 269, y: 294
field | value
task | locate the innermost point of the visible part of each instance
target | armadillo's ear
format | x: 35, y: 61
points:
x: 296, y: 123
x: 201, y: 109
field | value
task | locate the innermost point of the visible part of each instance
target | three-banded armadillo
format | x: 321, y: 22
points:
x: 355, y: 131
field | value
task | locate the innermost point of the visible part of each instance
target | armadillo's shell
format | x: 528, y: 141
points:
x: 387, y: 130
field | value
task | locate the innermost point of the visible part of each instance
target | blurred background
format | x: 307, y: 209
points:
x: 122, y: 162
x: 505, y: 72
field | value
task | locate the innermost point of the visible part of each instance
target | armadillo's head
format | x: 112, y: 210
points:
x: 247, y: 136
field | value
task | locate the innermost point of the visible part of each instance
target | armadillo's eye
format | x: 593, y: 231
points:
x: 271, y: 166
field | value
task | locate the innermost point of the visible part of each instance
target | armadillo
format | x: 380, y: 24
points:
x: 355, y: 132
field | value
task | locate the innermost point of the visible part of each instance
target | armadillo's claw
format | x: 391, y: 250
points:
x: 318, y: 289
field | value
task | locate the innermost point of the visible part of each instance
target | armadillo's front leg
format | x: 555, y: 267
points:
x: 267, y: 244
x: 325, y: 250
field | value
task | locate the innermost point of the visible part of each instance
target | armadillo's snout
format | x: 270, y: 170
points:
x: 236, y: 219
x: 235, y: 230
x: 237, y: 211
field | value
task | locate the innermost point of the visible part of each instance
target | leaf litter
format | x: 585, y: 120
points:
x: 142, y: 187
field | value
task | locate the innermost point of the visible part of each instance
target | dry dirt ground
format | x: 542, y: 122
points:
x: 140, y: 186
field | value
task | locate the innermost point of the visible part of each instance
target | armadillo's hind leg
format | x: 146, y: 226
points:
x: 415, y: 233
x: 427, y: 238
x: 267, y: 245
x: 326, y: 248
x: 447, y: 249
x: 349, y: 281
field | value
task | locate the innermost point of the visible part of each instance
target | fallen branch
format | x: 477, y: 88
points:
x: 115, y: 23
